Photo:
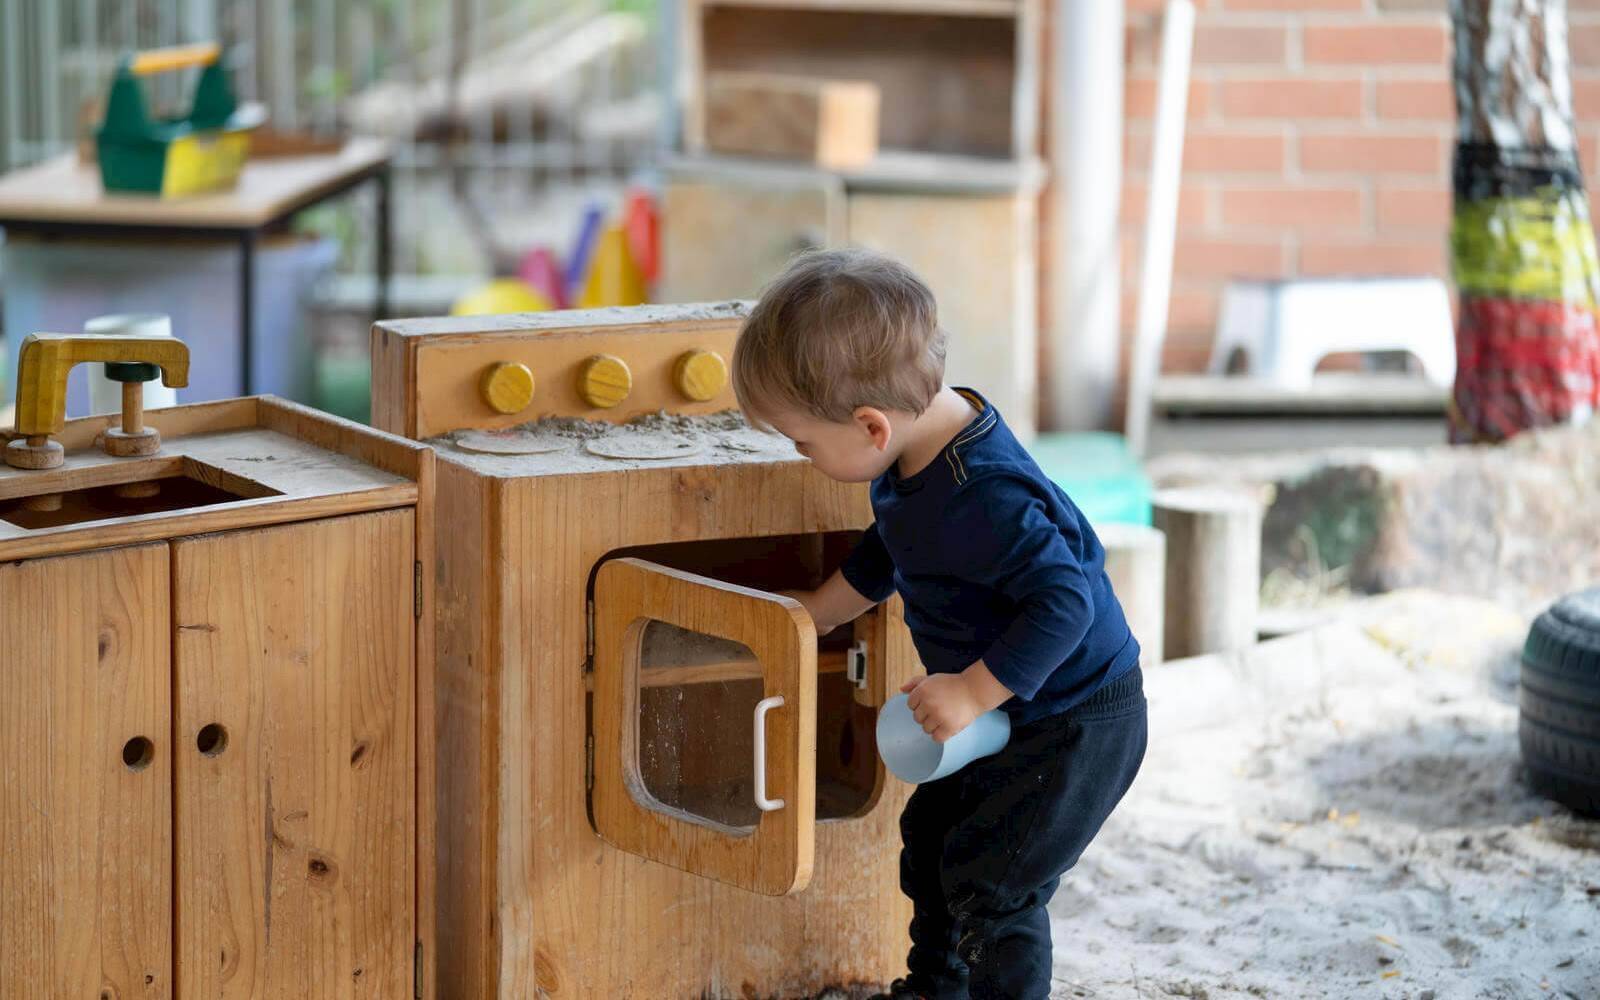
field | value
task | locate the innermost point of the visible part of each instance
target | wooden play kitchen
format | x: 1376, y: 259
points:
x: 215, y: 696
x: 655, y: 780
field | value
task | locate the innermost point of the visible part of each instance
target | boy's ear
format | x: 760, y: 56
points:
x: 876, y: 424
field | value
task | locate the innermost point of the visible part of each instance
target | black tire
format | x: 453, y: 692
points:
x: 1559, y: 725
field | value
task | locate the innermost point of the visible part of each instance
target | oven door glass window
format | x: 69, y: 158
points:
x: 705, y: 725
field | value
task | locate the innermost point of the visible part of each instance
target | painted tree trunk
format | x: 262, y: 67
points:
x: 1523, y: 248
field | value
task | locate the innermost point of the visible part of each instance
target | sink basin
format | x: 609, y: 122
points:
x: 150, y: 487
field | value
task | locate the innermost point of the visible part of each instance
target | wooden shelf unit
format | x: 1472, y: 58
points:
x: 953, y: 191
x: 957, y: 77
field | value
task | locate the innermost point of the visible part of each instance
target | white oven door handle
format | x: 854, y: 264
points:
x: 762, y: 708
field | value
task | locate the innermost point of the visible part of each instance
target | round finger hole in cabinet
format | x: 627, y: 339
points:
x: 138, y: 752
x: 212, y: 739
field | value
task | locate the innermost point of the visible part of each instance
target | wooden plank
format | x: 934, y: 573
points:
x: 425, y: 780
x: 295, y: 829
x: 775, y: 217
x: 448, y: 374
x: 172, y: 422
x: 776, y: 857
x: 466, y: 735
x: 393, y: 375
x: 896, y: 171
x: 62, y: 190
x: 616, y: 319
x: 986, y: 293
x: 831, y: 123
x: 389, y: 452
x: 18, y: 543
x: 1240, y: 436
x: 1331, y: 394
x: 86, y: 870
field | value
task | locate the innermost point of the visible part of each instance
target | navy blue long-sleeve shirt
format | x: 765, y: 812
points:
x: 996, y: 563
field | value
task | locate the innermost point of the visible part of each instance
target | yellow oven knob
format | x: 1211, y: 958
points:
x: 507, y: 387
x: 701, y: 375
x: 604, y: 381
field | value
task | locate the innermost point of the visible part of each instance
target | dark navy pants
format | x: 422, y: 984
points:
x: 986, y: 847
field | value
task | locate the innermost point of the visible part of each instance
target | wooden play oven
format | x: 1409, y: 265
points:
x: 654, y: 779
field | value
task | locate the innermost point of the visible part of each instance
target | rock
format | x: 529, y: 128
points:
x: 1513, y: 523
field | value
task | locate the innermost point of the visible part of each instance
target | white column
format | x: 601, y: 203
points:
x: 1086, y: 164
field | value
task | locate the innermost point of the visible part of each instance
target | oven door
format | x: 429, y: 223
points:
x: 704, y: 724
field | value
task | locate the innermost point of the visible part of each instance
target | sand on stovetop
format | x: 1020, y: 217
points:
x: 652, y: 440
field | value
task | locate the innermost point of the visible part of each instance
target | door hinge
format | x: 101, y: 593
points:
x: 416, y: 589
x: 588, y: 762
x: 416, y: 972
x: 855, y: 664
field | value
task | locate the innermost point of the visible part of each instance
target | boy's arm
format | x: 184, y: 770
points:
x: 866, y: 578
x: 1020, y: 552
x: 833, y: 603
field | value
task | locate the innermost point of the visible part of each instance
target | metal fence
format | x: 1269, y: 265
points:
x: 507, y: 116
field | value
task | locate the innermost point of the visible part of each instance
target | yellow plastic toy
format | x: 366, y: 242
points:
x: 502, y: 295
x: 614, y: 278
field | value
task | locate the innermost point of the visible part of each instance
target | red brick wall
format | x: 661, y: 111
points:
x: 1319, y: 141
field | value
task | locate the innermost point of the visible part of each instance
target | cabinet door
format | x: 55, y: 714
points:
x: 705, y: 725
x: 85, y: 777
x: 726, y: 237
x: 294, y: 790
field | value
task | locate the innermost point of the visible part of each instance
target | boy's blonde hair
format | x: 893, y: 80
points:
x: 836, y: 330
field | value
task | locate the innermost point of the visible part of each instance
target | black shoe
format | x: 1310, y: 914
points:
x: 900, y: 989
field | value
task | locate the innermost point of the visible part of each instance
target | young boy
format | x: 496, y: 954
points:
x: 1006, y: 598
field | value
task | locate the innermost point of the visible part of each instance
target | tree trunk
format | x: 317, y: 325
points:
x: 1523, y: 249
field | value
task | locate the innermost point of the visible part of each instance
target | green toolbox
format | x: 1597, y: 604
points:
x: 203, y: 150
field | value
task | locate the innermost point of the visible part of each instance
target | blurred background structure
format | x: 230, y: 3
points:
x: 1317, y: 144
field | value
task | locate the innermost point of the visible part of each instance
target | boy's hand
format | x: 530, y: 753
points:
x: 943, y: 704
x: 808, y: 600
x: 832, y: 604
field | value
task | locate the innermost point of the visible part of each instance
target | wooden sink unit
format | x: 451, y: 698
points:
x: 216, y: 711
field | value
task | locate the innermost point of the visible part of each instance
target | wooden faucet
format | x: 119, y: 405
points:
x: 42, y: 367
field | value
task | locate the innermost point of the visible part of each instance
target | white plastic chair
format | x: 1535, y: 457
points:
x: 1284, y: 328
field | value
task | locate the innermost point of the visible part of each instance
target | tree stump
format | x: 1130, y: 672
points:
x: 1213, y: 569
x: 1136, y: 562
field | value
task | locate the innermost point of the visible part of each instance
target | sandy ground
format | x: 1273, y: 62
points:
x: 1339, y: 814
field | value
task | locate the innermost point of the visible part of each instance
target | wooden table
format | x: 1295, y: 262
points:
x: 62, y: 198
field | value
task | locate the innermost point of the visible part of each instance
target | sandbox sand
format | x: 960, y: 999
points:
x: 1339, y: 814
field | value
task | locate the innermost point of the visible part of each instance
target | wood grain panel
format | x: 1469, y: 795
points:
x: 85, y: 838
x: 295, y: 860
